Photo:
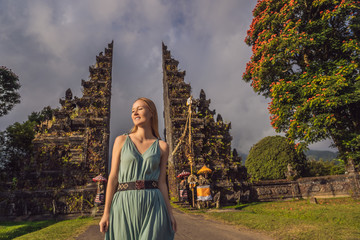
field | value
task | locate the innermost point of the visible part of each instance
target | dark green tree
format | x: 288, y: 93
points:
x: 9, y: 86
x: 16, y: 145
x: 320, y: 167
x: 269, y: 159
x: 306, y: 56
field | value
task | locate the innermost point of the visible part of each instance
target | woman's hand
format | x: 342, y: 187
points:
x: 104, y: 223
x: 173, y: 222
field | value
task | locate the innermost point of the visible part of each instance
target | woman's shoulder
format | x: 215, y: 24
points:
x: 163, y: 146
x: 121, y: 137
x: 120, y: 140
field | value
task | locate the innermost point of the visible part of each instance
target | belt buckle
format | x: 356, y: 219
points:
x: 140, y: 184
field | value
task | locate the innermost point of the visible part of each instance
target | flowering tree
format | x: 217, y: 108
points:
x: 9, y: 84
x: 306, y: 57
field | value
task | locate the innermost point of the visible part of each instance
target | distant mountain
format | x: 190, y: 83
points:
x: 243, y: 157
x: 310, y: 154
x: 325, y: 155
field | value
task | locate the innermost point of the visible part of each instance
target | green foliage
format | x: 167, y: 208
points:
x: 324, y: 168
x: 16, y: 145
x: 9, y: 85
x: 317, y: 154
x: 16, y: 150
x: 306, y: 56
x: 269, y: 159
x: 323, y: 163
x: 45, y: 114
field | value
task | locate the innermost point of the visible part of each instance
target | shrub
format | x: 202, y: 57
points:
x: 269, y: 159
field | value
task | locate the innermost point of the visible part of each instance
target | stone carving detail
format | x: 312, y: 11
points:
x: 281, y: 190
x: 338, y: 187
x: 264, y: 191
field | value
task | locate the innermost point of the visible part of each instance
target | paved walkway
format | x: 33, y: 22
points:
x: 193, y: 227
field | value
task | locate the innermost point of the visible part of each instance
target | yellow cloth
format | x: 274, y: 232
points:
x: 203, y: 193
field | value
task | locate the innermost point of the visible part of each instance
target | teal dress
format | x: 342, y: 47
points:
x: 139, y: 214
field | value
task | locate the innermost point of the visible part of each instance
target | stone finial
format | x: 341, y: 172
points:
x: 202, y: 95
x: 68, y: 94
x: 291, y: 173
x: 219, y: 118
x: 350, y: 166
x: 235, y: 153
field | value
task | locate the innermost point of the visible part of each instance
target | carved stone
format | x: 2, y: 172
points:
x: 70, y: 149
x: 211, y: 140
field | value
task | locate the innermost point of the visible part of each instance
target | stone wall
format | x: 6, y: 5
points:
x: 347, y: 185
x: 47, y: 202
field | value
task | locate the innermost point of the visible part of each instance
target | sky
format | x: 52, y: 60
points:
x: 50, y: 45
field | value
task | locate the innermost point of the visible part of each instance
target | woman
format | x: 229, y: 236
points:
x: 139, y: 208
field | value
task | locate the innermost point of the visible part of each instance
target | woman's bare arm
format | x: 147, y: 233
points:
x: 112, y: 181
x: 162, y: 180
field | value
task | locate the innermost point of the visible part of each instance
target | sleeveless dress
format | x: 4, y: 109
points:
x: 139, y: 214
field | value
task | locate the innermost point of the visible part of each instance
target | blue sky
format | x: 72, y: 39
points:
x: 50, y: 44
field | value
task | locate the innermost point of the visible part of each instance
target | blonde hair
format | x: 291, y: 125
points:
x: 154, y: 120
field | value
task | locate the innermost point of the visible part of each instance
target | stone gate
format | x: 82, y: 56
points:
x: 69, y: 150
x: 211, y: 139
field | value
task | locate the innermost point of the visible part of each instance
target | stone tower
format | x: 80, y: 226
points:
x: 211, y: 140
x: 73, y: 147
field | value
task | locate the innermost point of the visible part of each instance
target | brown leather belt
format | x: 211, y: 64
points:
x: 137, y: 185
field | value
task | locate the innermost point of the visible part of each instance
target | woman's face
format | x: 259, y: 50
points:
x: 140, y: 113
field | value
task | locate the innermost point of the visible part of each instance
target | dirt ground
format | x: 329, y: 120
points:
x: 193, y: 227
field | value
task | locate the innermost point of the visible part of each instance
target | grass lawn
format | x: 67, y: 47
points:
x: 330, y: 219
x: 10, y: 230
x: 49, y: 229
x: 337, y: 218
